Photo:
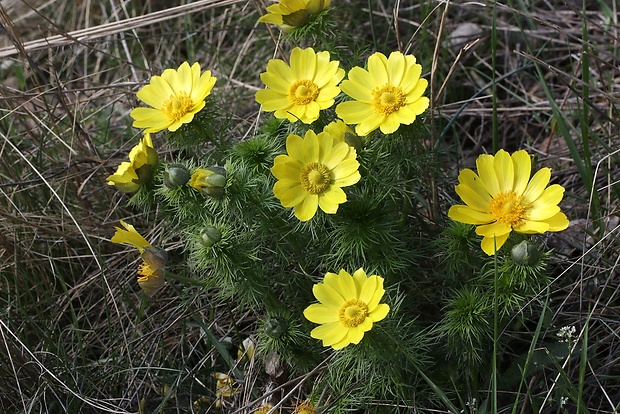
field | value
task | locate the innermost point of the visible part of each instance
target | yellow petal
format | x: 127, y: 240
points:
x: 486, y: 172
x: 330, y: 200
x: 377, y: 67
x: 379, y: 312
x: 468, y: 215
x: 558, y: 222
x: 327, y: 294
x: 504, y: 171
x: 491, y: 244
x: 532, y: 227
x: 537, y: 185
x: 523, y: 169
x: 329, y: 333
x: 130, y: 236
x: 472, y: 198
x: 305, y: 210
x: 396, y: 68
x: 321, y: 314
x: 493, y: 229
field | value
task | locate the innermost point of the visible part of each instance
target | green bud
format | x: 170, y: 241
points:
x: 175, y: 176
x: 210, y: 236
x: 276, y: 327
x: 525, y: 253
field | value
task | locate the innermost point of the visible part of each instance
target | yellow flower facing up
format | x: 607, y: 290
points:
x: 300, y: 91
x: 502, y: 198
x: 175, y: 97
x: 130, y: 176
x: 349, y: 305
x: 151, y: 271
x: 313, y: 172
x: 386, y: 95
x: 290, y: 14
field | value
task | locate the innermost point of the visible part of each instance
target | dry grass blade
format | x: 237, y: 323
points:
x: 92, y: 33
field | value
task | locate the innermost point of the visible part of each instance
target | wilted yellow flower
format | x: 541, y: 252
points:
x: 502, y: 198
x: 130, y: 176
x: 313, y: 172
x: 263, y: 408
x: 224, y: 387
x: 175, y: 97
x: 151, y: 271
x: 349, y: 305
x: 246, y: 350
x: 386, y: 95
x: 303, y: 407
x: 289, y: 14
x: 300, y: 91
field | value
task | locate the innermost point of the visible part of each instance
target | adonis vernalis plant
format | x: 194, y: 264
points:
x: 244, y: 245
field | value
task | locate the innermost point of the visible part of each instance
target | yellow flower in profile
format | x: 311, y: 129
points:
x: 341, y: 132
x: 175, y: 97
x: 349, y: 307
x: 151, y: 271
x: 502, y: 198
x: 130, y: 176
x: 386, y: 95
x: 290, y: 14
x: 313, y: 172
x: 300, y: 91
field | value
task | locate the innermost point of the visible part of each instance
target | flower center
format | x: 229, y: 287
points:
x: 507, y: 208
x: 303, y: 92
x: 177, y: 106
x: 352, y: 313
x: 387, y: 99
x: 315, y: 178
x: 145, y: 272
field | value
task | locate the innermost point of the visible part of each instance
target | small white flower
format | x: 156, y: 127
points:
x: 566, y: 333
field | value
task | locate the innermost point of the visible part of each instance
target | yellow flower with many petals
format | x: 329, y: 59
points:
x: 290, y: 14
x: 151, y: 272
x: 502, y: 198
x: 130, y: 176
x: 386, y: 95
x: 349, y: 307
x: 175, y: 97
x: 313, y: 172
x: 300, y: 91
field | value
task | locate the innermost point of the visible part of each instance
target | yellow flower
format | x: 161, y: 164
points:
x: 303, y: 407
x: 224, y: 387
x: 293, y: 13
x: 502, y: 198
x: 175, y: 97
x: 349, y: 307
x: 341, y: 132
x: 130, y: 176
x: 313, y: 172
x: 300, y: 91
x: 386, y: 95
x: 151, y: 271
x: 263, y: 408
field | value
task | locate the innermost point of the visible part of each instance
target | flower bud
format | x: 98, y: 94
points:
x: 175, y: 176
x: 210, y: 236
x: 525, y: 253
x: 210, y: 181
x: 276, y: 327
